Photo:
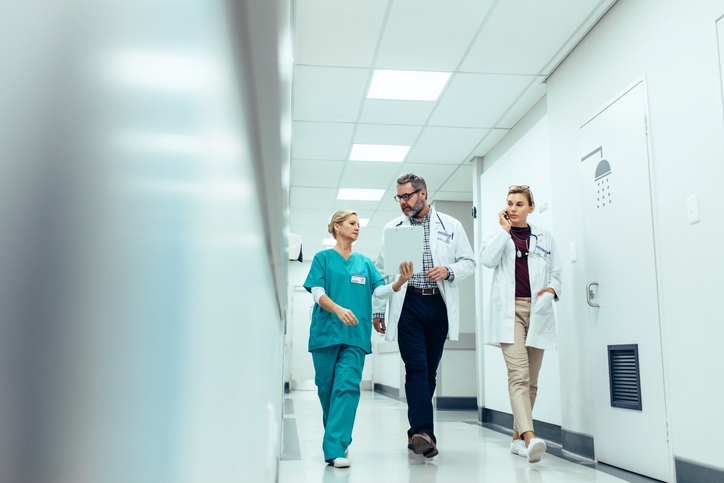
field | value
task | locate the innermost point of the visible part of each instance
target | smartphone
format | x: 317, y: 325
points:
x: 505, y: 215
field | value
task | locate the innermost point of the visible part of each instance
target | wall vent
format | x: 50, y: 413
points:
x: 623, y: 369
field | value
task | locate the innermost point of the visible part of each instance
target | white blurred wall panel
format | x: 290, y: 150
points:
x: 140, y: 324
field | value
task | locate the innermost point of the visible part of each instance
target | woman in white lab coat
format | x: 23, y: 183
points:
x: 520, y: 317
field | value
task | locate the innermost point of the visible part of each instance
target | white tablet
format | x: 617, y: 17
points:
x: 403, y: 244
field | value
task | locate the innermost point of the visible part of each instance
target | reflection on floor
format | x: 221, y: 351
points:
x: 468, y: 451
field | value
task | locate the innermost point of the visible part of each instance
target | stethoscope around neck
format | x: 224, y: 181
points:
x: 518, y: 253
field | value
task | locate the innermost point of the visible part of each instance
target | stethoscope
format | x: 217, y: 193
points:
x: 440, y: 219
x: 518, y: 253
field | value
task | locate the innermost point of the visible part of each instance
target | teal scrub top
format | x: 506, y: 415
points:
x: 349, y: 283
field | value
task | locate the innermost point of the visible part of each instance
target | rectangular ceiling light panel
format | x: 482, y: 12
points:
x: 360, y: 194
x: 388, y: 153
x: 407, y: 85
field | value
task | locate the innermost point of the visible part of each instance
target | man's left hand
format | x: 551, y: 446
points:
x: 437, y: 273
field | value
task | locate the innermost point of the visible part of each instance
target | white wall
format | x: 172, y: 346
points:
x: 457, y: 373
x: 521, y: 158
x: 673, y: 47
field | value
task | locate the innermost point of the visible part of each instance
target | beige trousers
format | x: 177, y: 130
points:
x: 523, y: 368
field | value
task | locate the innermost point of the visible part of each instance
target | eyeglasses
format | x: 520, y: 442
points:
x: 406, y: 196
x: 519, y: 186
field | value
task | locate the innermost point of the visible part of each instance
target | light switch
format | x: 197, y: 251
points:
x: 572, y: 252
x: 692, y: 208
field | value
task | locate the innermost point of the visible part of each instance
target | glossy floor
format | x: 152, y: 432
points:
x: 468, y: 451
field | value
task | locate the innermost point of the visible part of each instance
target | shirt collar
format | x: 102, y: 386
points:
x: 425, y: 219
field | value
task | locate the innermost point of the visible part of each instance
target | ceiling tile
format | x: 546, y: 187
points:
x: 330, y: 32
x: 520, y: 39
x: 478, y: 100
x: 381, y: 217
x: 318, y: 174
x: 491, y: 139
x: 461, y: 179
x: 312, y: 197
x: 328, y: 94
x: 386, y: 134
x: 453, y: 196
x: 363, y: 208
x: 445, y: 145
x: 321, y: 140
x: 381, y: 111
x: 530, y: 97
x: 433, y: 174
x: 375, y: 175
x: 318, y: 217
x: 429, y: 34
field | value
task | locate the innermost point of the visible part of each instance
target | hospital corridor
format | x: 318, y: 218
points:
x: 208, y: 211
x: 468, y: 451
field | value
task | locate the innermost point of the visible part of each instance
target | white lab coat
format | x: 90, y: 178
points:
x: 498, y: 251
x: 456, y: 254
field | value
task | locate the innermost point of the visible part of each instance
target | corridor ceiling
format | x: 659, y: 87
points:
x: 499, y: 53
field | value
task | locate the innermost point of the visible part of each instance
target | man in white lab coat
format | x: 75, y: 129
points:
x: 426, y: 312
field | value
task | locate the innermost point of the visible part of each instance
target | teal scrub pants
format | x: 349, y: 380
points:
x: 338, y: 372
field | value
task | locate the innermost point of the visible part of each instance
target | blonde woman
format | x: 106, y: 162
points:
x: 520, y: 318
x: 343, y: 283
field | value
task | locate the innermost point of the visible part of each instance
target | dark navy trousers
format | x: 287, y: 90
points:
x: 421, y: 335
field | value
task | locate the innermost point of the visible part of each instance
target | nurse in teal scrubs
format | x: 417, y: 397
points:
x: 343, y: 283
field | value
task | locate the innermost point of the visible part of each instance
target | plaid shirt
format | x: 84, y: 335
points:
x: 419, y: 279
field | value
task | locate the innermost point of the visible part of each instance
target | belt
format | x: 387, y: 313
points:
x: 523, y: 299
x: 424, y: 291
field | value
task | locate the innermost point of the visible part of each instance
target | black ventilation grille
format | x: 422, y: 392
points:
x: 623, y: 369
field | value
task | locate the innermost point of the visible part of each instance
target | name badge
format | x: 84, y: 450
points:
x: 357, y: 278
x: 542, y: 252
x: 444, y: 236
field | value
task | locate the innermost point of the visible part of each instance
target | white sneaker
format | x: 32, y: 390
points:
x: 518, y: 447
x: 341, y: 463
x: 536, y: 448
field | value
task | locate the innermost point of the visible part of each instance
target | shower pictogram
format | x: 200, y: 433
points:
x: 601, y: 178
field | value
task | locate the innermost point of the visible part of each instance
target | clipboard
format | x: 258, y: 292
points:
x: 403, y: 244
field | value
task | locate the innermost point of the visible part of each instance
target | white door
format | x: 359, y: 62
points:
x: 622, y: 322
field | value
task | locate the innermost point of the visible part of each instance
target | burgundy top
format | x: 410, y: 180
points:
x: 522, y: 280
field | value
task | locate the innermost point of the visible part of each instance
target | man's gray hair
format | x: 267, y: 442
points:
x: 417, y: 182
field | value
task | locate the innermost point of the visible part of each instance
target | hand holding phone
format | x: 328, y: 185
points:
x: 504, y: 220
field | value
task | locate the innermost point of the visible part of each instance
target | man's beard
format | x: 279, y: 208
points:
x: 415, y: 210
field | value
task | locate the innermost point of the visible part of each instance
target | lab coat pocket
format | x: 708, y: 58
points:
x: 544, y: 305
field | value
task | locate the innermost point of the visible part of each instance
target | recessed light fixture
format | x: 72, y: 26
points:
x: 388, y: 153
x: 407, y: 85
x: 360, y: 194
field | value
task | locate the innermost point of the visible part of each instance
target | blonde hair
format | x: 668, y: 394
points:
x: 337, y: 218
x: 523, y: 189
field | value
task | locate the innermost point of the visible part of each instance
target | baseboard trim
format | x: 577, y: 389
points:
x: 388, y: 391
x: 688, y: 471
x: 454, y: 403
x: 578, y: 444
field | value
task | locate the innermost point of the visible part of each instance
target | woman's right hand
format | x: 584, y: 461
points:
x: 406, y: 271
x: 346, y: 316
x: 504, y: 220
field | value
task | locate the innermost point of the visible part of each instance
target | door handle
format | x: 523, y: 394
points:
x: 590, y: 294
